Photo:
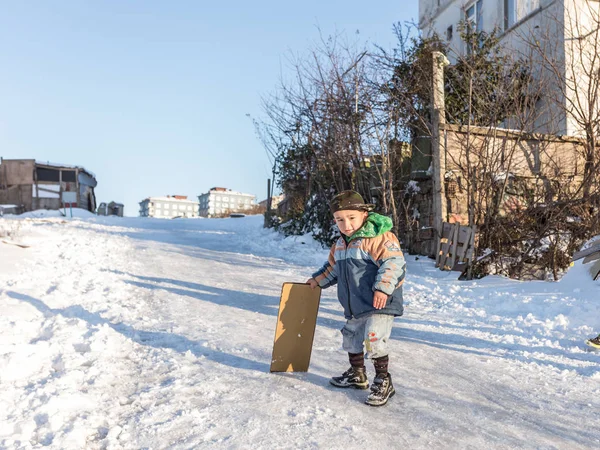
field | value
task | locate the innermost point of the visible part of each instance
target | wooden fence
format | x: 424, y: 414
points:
x: 455, y: 247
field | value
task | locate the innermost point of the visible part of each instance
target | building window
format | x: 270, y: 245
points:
x: 68, y: 176
x: 47, y: 174
x: 449, y: 33
x: 517, y: 10
x: 474, y: 16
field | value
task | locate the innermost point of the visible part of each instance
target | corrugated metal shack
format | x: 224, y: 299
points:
x: 39, y: 185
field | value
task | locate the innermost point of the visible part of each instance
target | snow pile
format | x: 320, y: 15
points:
x: 41, y: 213
x: 412, y: 187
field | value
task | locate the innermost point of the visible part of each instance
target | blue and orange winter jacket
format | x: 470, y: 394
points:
x: 370, y: 260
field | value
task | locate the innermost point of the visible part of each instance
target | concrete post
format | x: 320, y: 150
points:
x: 438, y: 156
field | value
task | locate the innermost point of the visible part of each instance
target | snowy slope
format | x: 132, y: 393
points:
x: 145, y: 333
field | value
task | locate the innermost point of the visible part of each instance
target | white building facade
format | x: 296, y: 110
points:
x: 168, y: 207
x: 220, y: 200
x: 511, y: 17
x: 558, y: 37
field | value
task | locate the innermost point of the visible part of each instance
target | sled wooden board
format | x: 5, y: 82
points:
x: 295, y: 329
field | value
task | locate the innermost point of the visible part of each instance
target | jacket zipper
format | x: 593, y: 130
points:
x: 347, y: 244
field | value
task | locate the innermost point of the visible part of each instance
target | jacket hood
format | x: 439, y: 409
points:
x: 375, y: 225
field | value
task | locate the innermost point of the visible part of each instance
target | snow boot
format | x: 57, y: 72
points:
x: 355, y: 377
x: 381, y: 390
x: 594, y: 343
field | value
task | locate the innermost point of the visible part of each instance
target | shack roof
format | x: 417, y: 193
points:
x: 64, y: 166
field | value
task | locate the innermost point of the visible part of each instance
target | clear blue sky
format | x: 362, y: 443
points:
x: 152, y: 96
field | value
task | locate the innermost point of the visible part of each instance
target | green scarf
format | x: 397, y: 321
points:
x: 375, y: 225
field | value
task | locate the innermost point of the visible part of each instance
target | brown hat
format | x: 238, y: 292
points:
x: 349, y: 200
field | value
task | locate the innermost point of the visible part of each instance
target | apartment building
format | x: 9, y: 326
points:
x: 558, y: 37
x: 511, y: 17
x: 168, y: 207
x: 219, y: 200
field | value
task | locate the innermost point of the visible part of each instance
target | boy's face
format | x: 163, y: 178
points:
x: 349, y: 220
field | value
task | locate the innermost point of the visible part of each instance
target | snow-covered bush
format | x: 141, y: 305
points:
x: 538, y: 242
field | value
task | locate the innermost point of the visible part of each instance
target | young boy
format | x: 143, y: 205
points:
x: 368, y: 267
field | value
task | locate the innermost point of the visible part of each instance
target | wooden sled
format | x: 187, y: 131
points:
x: 295, y: 331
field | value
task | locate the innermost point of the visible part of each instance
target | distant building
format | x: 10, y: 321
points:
x: 112, y: 209
x: 34, y: 185
x: 275, y: 200
x: 168, y: 207
x: 220, y: 200
x: 11, y: 209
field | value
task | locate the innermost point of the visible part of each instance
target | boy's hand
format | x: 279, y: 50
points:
x: 379, y: 299
x: 312, y: 282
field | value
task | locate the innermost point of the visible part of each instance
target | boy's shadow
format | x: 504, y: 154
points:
x: 260, y: 303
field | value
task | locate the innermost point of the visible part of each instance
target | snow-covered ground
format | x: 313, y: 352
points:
x: 143, y: 333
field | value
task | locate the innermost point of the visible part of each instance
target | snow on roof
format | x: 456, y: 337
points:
x: 170, y: 199
x: 230, y: 192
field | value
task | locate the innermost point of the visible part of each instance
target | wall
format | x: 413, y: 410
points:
x: 16, y: 180
x: 582, y: 70
x: 539, y: 161
x: 17, y: 172
x: 435, y: 19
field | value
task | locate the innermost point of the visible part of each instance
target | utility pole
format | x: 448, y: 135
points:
x: 267, y: 221
x: 438, y: 144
